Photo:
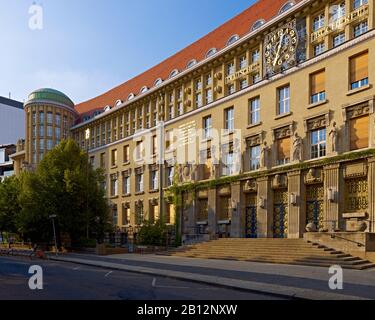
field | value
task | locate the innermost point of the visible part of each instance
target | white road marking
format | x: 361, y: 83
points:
x: 76, y: 268
x: 107, y: 274
x: 166, y: 287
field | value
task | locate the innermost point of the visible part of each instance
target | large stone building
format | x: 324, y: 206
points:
x: 12, y: 121
x: 263, y: 126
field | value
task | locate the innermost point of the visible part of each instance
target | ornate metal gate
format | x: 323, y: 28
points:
x: 251, y: 222
x: 314, y: 205
x: 280, y: 214
x: 356, y: 195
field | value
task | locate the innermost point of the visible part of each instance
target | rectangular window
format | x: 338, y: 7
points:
x: 319, y: 22
x: 115, y: 215
x: 318, y: 143
x: 228, y: 168
x: 49, y: 118
x: 209, y: 97
x: 114, y: 157
x: 126, y: 154
x: 170, y: 112
x: 359, y: 3
x: 207, y: 127
x: 229, y: 119
x: 57, y: 133
x: 41, y: 117
x: 49, y: 145
x: 154, y: 145
x: 41, y: 131
x: 114, y: 186
x: 254, y: 158
x: 319, y: 49
x: 57, y: 119
x: 317, y: 87
x: 34, y: 118
x: 284, y: 100
x: 230, y: 68
x: 283, y: 151
x: 338, y: 39
x: 359, y: 71
x: 254, y: 111
x: 338, y: 11
x: 154, y: 180
x: 208, y: 79
x: 170, y: 174
x: 126, y: 185
x: 243, y: 62
x: 360, y: 29
x: 198, y: 100
x: 359, y: 133
x: 231, y: 89
x: 139, y: 182
x: 243, y: 84
x: 49, y: 131
x: 255, y: 56
x: 256, y: 78
x: 125, y: 216
x: 198, y: 85
x: 180, y: 108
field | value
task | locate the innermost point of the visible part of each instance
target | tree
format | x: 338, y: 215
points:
x: 64, y: 185
x: 9, y: 204
x: 153, y: 234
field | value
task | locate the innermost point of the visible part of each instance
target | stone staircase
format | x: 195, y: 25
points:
x: 283, y: 251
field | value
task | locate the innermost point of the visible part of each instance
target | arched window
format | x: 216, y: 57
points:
x: 286, y: 7
x: 258, y: 24
x: 233, y: 39
x: 144, y: 89
x: 211, y: 52
x: 173, y: 73
x: 131, y: 96
x: 158, y: 82
x: 191, y: 63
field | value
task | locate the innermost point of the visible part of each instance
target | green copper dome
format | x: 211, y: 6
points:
x: 49, y: 95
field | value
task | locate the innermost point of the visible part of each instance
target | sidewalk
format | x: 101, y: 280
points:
x: 282, y: 280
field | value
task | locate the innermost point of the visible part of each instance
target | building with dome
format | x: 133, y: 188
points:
x: 281, y: 98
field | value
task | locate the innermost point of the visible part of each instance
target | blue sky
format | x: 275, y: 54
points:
x: 86, y: 47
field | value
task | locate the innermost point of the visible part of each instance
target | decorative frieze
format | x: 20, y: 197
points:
x: 280, y: 181
x: 251, y: 186
x: 356, y: 111
x: 224, y: 191
x: 355, y: 170
x: 314, y: 176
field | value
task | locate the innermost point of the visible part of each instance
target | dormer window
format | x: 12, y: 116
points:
x: 96, y: 113
x: 144, y: 89
x: 191, y: 63
x: 131, y: 96
x: 86, y: 118
x: 286, y: 7
x: 258, y: 24
x: 233, y: 39
x: 211, y: 52
x: 118, y: 103
x: 173, y: 73
x: 107, y: 108
x: 158, y: 82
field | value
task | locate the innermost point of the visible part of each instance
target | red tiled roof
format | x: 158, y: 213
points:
x: 241, y: 25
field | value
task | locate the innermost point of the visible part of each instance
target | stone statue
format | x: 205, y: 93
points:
x: 333, y: 134
x: 297, y: 148
x: 263, y: 155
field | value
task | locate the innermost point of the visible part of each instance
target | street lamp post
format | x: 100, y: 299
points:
x: 52, y: 217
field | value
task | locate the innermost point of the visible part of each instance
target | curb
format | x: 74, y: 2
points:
x: 292, y: 293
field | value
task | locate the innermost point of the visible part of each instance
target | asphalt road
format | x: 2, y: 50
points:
x: 65, y: 281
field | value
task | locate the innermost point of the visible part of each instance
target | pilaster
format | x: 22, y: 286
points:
x: 265, y: 208
x: 371, y: 194
x: 332, y: 177
x: 212, y: 217
x: 236, y: 229
x: 297, y: 211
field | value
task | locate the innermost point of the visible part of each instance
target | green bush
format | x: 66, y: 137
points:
x: 152, y: 234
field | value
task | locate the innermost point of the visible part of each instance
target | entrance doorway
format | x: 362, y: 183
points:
x: 280, y: 214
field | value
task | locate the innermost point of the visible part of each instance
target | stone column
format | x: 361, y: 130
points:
x: 236, y: 226
x: 297, y: 211
x: 332, y: 177
x: 265, y: 214
x: 371, y: 194
x: 212, y: 206
x: 372, y: 127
